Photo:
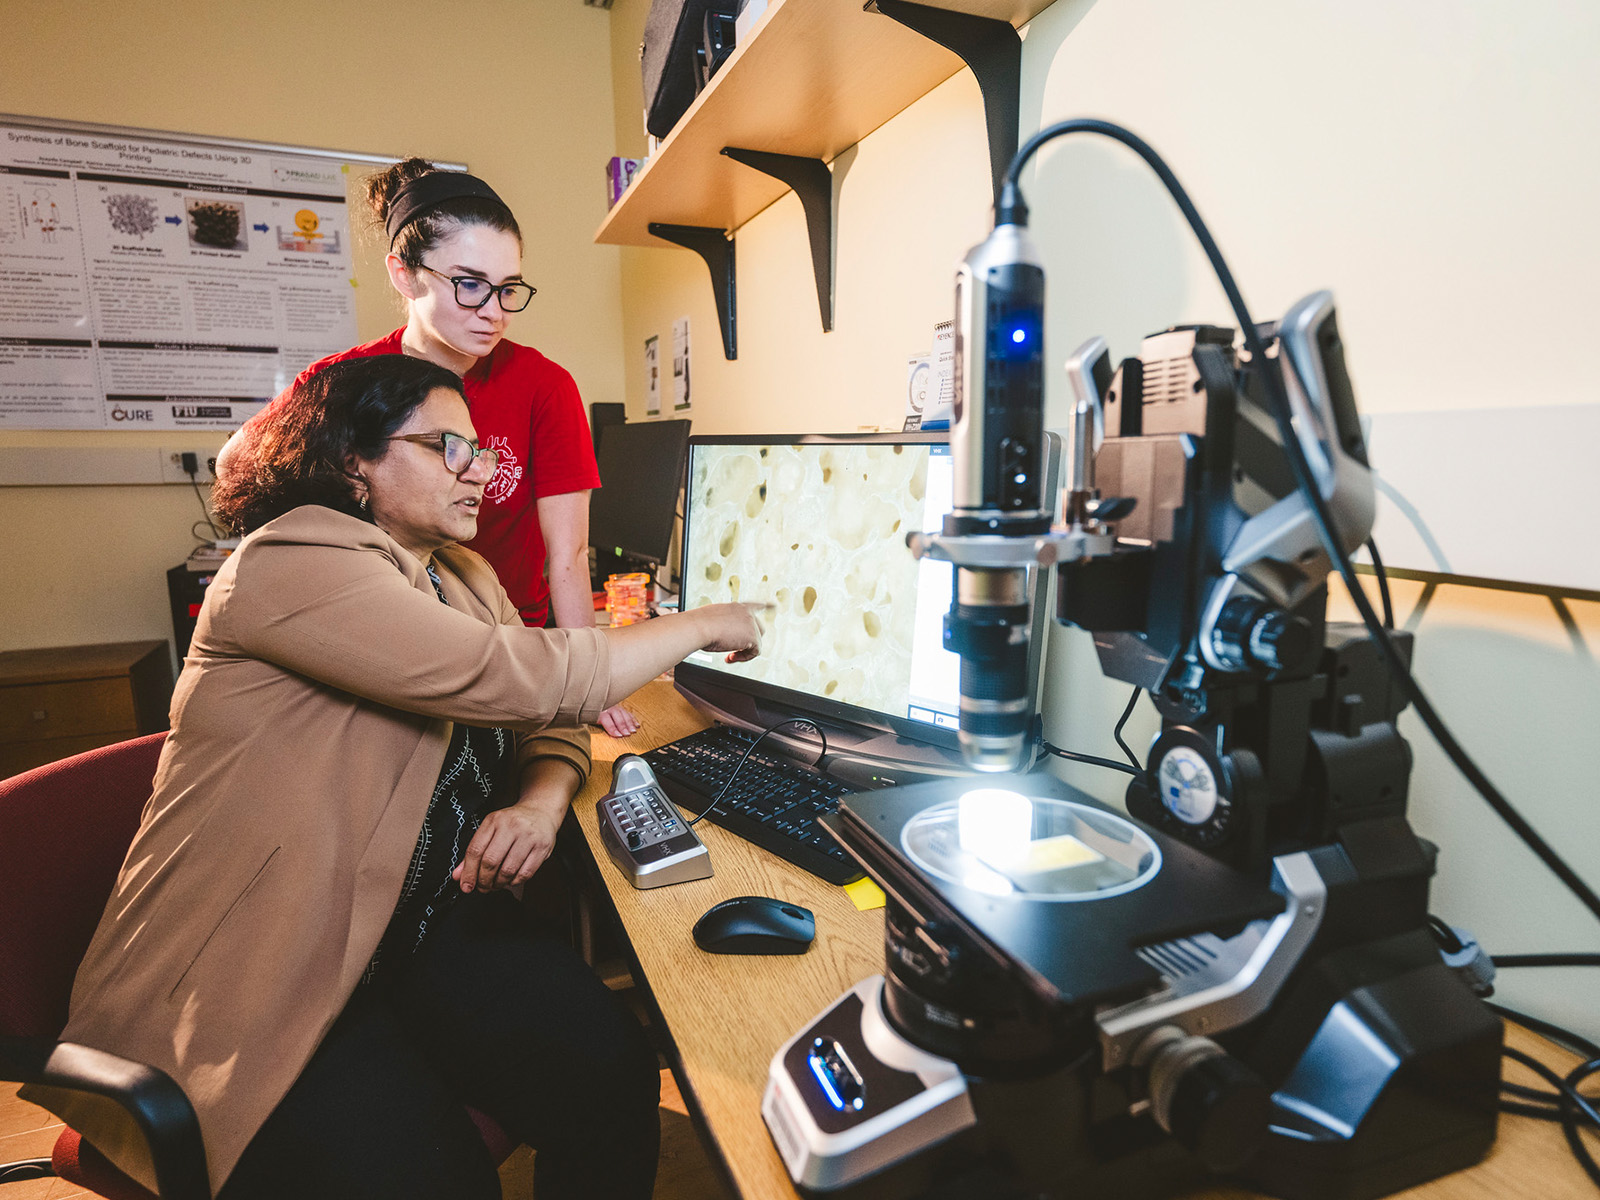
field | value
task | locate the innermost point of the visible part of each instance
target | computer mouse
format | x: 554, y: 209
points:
x: 755, y: 925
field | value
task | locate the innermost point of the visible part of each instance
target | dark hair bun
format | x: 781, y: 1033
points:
x: 382, y: 185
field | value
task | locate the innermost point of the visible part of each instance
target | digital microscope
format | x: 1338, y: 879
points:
x: 1237, y: 978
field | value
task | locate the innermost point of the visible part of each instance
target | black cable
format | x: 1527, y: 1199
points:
x: 1123, y: 720
x: 1558, y: 1034
x: 1444, y: 935
x: 194, y: 478
x: 1383, y: 583
x: 738, y: 766
x: 1545, y: 960
x: 1565, y: 1104
x: 1109, y: 764
x: 1011, y: 203
x: 1576, y: 1111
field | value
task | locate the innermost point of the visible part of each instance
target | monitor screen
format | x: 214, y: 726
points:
x: 815, y: 527
x: 631, y: 514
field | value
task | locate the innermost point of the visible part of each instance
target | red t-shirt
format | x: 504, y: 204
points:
x: 527, y: 408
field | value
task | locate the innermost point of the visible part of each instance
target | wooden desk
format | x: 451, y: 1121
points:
x: 727, y: 1014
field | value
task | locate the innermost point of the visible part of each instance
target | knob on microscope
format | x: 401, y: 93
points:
x: 1252, y: 635
x: 1204, y: 1097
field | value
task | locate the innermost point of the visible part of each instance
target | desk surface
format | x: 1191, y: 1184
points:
x: 728, y: 1014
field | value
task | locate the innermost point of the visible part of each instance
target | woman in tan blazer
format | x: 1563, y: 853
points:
x: 310, y: 933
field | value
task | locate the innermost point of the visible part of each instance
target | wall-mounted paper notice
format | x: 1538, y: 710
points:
x: 156, y: 284
x: 680, y: 365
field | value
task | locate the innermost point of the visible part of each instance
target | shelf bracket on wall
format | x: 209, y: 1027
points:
x: 716, y: 247
x: 813, y: 183
x: 994, y: 52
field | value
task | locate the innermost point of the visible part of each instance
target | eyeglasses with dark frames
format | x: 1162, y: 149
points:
x: 459, y: 452
x: 473, y: 292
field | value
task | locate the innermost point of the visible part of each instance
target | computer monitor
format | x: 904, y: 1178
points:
x: 816, y: 525
x: 602, y: 416
x: 631, y: 513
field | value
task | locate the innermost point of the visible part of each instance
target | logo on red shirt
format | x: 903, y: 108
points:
x: 507, y: 475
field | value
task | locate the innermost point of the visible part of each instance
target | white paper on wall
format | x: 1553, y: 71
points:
x: 680, y: 365
x: 652, y: 376
x: 163, y: 284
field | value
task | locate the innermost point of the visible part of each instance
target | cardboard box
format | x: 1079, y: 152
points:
x: 619, y: 174
x: 749, y: 13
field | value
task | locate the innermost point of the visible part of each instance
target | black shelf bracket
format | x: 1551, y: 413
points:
x: 994, y: 52
x: 813, y: 183
x: 716, y: 247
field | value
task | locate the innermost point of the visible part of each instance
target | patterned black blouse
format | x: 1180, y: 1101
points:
x: 477, y: 778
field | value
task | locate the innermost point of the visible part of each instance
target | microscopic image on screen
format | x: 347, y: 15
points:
x: 818, y: 531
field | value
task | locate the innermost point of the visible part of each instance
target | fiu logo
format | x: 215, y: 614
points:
x: 132, y: 414
x: 507, y: 476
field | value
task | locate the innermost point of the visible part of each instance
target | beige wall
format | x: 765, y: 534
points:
x: 1424, y: 160
x: 520, y: 90
x: 1421, y: 159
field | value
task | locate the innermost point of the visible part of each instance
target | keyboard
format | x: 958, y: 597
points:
x: 774, y: 802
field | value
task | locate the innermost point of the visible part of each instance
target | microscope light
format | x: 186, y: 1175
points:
x: 994, y: 824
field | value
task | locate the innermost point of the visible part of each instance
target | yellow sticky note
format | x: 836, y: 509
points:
x: 864, y: 894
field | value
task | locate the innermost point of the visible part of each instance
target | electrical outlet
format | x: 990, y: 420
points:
x: 172, y: 464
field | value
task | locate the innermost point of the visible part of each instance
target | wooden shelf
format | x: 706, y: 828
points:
x: 813, y: 78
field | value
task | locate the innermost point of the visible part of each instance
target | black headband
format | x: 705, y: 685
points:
x: 425, y: 193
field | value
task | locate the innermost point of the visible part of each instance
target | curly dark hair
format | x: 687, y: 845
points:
x: 297, y: 453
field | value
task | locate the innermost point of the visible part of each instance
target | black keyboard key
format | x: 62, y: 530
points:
x: 771, y: 801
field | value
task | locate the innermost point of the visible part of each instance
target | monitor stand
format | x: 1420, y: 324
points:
x: 858, y: 755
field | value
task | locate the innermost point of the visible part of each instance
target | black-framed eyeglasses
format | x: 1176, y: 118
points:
x: 459, y: 452
x: 473, y: 292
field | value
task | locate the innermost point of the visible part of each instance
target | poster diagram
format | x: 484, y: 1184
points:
x: 681, y: 392
x: 162, y: 284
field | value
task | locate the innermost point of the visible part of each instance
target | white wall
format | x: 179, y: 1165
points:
x: 1429, y: 161
x: 520, y: 90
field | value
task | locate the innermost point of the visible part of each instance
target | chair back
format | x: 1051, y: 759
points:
x: 64, y: 832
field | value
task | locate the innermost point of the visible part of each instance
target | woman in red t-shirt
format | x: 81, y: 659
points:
x: 455, y: 255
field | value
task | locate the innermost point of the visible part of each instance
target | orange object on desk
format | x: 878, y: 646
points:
x: 628, y: 598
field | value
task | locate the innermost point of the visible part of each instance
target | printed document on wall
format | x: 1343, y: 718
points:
x: 652, y: 375
x: 681, y: 392
x: 163, y: 284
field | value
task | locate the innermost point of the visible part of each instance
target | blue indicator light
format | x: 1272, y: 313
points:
x: 821, y: 1073
x: 838, y: 1078
x: 1019, y: 336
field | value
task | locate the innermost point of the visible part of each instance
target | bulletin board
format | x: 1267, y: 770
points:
x: 164, y: 281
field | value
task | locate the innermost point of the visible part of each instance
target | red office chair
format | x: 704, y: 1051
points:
x: 64, y: 831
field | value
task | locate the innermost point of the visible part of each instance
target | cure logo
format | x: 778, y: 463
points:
x: 132, y: 414
x: 506, y: 476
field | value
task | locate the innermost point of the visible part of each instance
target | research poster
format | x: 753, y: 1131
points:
x: 163, y: 284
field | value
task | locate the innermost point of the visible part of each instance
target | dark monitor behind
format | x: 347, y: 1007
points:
x: 631, y: 514
x: 602, y: 416
x: 815, y: 526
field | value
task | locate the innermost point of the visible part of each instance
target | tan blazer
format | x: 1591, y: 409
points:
x: 309, y: 727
